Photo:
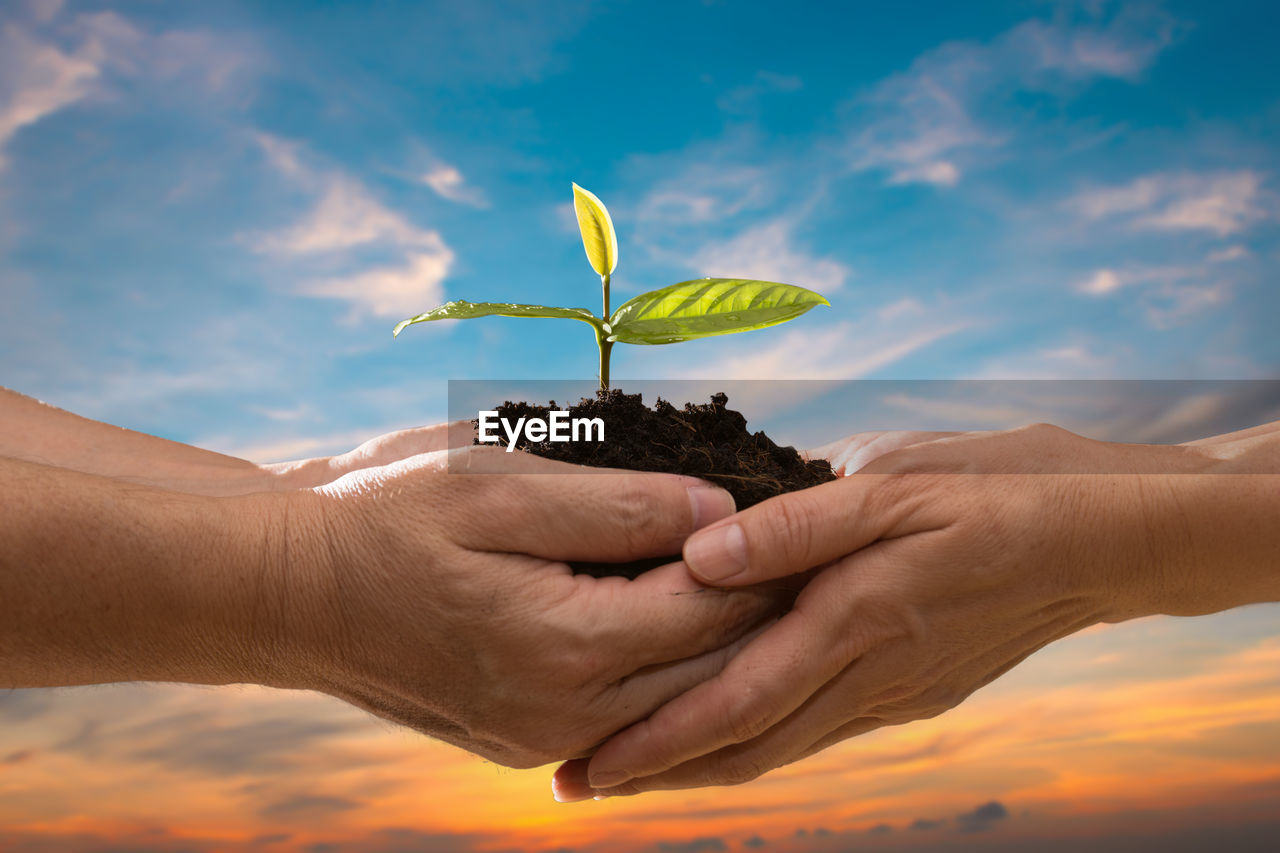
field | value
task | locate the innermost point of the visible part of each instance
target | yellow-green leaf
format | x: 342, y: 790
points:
x: 598, y: 237
x: 462, y: 310
x: 706, y: 307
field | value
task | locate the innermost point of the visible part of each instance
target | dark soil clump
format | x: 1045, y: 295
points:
x: 708, y: 441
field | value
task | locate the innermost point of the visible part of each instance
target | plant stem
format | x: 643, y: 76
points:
x: 605, y: 345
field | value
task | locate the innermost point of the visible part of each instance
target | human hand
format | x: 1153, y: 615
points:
x: 378, y: 451
x: 36, y: 432
x: 440, y: 600
x: 927, y: 587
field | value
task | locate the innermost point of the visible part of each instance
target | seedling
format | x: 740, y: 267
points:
x: 679, y: 312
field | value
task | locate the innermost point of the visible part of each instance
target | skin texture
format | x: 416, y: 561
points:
x: 944, y: 562
x: 33, y: 431
x: 418, y: 585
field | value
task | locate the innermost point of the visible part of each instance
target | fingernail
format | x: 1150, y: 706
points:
x: 608, y: 779
x: 717, y: 554
x: 710, y: 504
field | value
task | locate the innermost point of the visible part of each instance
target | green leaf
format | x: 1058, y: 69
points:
x: 461, y: 310
x: 598, y: 236
x: 706, y: 307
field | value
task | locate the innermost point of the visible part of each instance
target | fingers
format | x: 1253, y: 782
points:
x: 766, y: 682
x: 403, y: 444
x: 607, y: 516
x: 734, y: 765
x: 664, y: 616
x: 790, y: 533
x: 849, y: 455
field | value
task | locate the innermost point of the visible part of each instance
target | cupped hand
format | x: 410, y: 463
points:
x: 931, y: 578
x: 377, y: 451
x: 442, y: 600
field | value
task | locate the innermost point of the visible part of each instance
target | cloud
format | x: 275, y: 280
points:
x: 982, y: 818
x: 41, y: 75
x: 924, y: 124
x: 768, y: 252
x: 843, y: 351
x: 754, y: 842
x: 308, y: 806
x: 1168, y: 295
x: 18, y: 756
x: 1226, y: 254
x: 393, y: 291
x: 183, y: 57
x: 447, y: 182
x: 703, y: 193
x: 345, y: 217
x: 198, y: 742
x: 23, y: 704
x: 924, y: 824
x: 697, y: 845
x: 37, y: 80
x: 746, y: 98
x: 1221, y: 203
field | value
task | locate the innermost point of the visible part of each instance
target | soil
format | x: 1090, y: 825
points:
x: 710, y: 441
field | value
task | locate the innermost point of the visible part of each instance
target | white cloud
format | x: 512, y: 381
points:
x: 1226, y: 254
x: 1169, y: 295
x: 345, y: 217
x: 925, y: 124
x: 36, y: 80
x: 1221, y: 202
x: 448, y: 183
x: 1102, y: 281
x: 919, y: 124
x: 704, y: 193
x: 746, y: 98
x: 768, y: 252
x: 44, y: 11
x: 1123, y: 49
x: 1074, y: 359
x: 393, y: 291
x: 40, y: 76
x: 846, y: 350
x: 176, y: 56
x: 283, y: 155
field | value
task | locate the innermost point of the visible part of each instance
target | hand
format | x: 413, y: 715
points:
x: 929, y: 586
x: 35, y: 432
x: 440, y: 600
x: 376, y: 452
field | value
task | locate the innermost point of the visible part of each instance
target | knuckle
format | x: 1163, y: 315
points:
x: 635, y: 511
x: 907, y: 460
x: 792, y: 529
x: 626, y: 789
x: 744, y: 722
x: 738, y: 770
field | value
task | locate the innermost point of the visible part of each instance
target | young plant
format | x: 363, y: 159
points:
x: 678, y: 312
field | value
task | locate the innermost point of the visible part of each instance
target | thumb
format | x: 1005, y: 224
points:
x: 791, y: 533
x: 609, y: 516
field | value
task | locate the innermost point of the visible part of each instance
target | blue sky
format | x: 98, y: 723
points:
x: 211, y: 215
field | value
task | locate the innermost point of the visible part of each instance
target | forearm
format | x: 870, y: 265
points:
x: 1215, y: 533
x: 36, y: 432
x: 1225, y: 538
x: 105, y: 581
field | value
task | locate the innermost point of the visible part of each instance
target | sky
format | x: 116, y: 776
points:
x: 213, y: 214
